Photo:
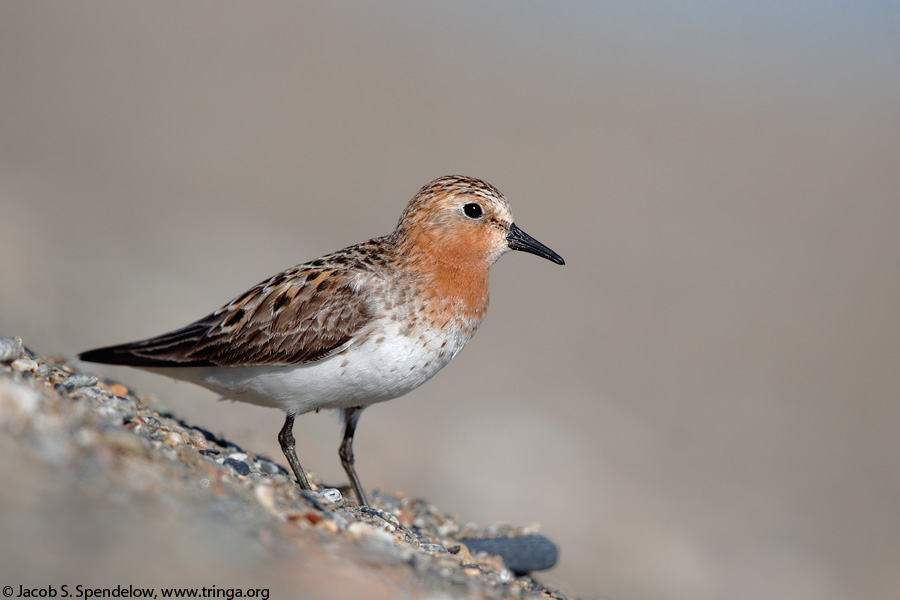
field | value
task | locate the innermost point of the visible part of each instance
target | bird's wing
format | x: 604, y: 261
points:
x: 301, y: 315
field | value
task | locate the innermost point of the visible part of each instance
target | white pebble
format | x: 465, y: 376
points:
x: 359, y: 530
x: 266, y: 498
x: 24, y: 364
x: 174, y: 438
x: 329, y: 494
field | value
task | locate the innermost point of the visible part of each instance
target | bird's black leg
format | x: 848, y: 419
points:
x: 286, y: 439
x: 351, y: 416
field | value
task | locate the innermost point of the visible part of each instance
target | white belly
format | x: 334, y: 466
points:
x: 373, y: 371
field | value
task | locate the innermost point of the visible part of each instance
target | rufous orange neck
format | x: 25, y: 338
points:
x: 456, y: 270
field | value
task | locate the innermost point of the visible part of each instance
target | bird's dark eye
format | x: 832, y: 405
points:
x: 472, y: 210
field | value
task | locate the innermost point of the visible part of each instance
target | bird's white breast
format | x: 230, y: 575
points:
x: 383, y: 365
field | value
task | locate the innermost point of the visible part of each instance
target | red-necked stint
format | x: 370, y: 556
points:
x: 363, y: 325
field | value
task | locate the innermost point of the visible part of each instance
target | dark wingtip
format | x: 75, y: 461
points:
x: 124, y: 356
x: 98, y: 355
x: 112, y: 355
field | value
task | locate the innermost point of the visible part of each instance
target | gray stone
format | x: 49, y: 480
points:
x: 10, y: 349
x: 521, y: 554
x: 240, y: 466
x: 80, y: 380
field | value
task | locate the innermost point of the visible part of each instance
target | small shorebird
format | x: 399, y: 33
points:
x: 363, y: 325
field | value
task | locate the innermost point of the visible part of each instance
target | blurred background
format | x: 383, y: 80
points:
x: 702, y: 404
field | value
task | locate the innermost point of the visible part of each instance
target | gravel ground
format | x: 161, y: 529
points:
x: 102, y: 488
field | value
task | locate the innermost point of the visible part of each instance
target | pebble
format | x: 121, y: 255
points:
x: 359, y: 531
x: 240, y: 466
x: 150, y: 422
x: 88, y: 392
x: 269, y: 467
x: 118, y: 389
x: 10, y: 349
x: 313, y: 517
x: 331, y: 526
x: 372, y: 536
x: 198, y: 440
x: 389, y: 518
x: 24, y: 364
x: 174, y: 438
x: 332, y: 495
x: 265, y: 495
x: 521, y: 554
x: 79, y: 380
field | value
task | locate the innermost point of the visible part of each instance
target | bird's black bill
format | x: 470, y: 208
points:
x: 519, y: 240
